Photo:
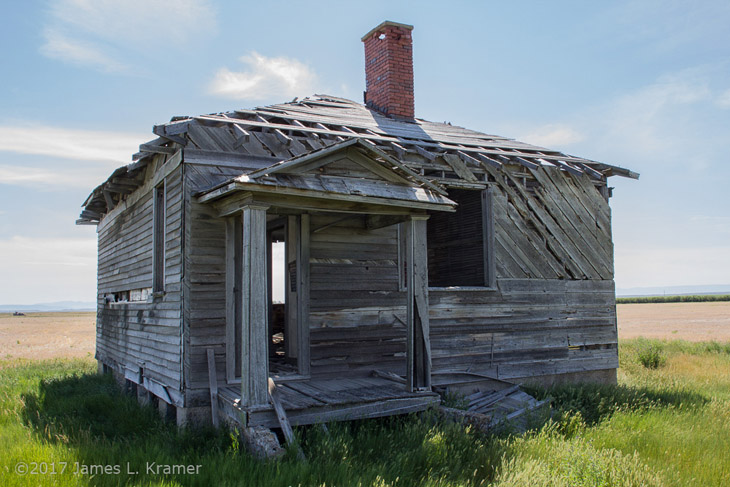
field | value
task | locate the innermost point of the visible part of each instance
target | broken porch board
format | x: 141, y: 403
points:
x: 283, y: 421
x: 317, y: 400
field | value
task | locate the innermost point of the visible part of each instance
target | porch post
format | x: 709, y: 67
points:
x: 418, y: 343
x: 303, y: 356
x: 254, y: 308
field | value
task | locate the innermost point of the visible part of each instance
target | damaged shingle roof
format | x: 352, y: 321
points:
x: 444, y: 154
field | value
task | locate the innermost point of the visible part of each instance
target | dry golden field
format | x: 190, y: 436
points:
x: 47, y: 335
x: 694, y: 322
x: 72, y: 334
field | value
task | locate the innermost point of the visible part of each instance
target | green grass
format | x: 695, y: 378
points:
x: 659, y: 426
x: 701, y: 298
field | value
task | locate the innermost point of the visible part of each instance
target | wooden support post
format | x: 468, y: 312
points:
x: 233, y: 297
x: 213, y: 382
x: 283, y: 420
x: 292, y: 286
x: 418, y: 342
x: 303, y: 361
x: 254, y: 308
x: 490, y: 266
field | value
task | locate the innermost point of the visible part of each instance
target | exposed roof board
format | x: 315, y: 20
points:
x: 439, y: 153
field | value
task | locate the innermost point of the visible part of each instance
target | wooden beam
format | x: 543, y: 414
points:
x: 109, y: 198
x: 303, y: 345
x: 427, y: 154
x: 233, y: 281
x: 254, y: 304
x: 161, y: 130
x: 242, y: 137
x: 455, y: 162
x: 213, y: 384
x: 373, y: 222
x: 396, y: 163
x: 157, y: 149
x: 296, y: 161
x: 418, y: 343
x: 283, y: 420
x: 283, y: 138
x: 490, y: 267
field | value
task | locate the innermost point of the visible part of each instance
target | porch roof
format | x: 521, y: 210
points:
x: 388, y: 182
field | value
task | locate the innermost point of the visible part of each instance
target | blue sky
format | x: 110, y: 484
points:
x: 640, y: 84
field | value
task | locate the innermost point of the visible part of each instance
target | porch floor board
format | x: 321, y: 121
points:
x: 317, y: 400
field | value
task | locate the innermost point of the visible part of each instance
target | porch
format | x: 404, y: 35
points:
x: 321, y: 400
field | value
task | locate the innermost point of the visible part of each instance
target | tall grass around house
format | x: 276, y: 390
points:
x: 655, y: 427
x: 674, y: 418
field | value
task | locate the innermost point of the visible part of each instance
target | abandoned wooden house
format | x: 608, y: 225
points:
x: 424, y: 250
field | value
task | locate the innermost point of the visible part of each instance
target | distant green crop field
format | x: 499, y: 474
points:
x: 667, y: 422
x: 674, y: 299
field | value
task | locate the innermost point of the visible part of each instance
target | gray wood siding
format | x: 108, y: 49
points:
x: 358, y: 314
x: 142, y: 334
x: 528, y: 328
x: 558, y: 229
x: 205, y: 280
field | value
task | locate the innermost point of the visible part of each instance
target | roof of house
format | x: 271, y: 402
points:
x: 431, y: 155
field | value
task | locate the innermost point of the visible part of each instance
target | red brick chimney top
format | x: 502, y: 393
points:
x: 389, y: 70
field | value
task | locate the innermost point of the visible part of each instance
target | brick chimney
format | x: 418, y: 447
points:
x: 389, y: 70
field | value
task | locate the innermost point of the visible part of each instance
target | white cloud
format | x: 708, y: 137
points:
x: 552, y: 135
x: 75, y: 51
x: 88, y: 145
x: 47, y: 269
x: 96, y: 33
x: 265, y: 77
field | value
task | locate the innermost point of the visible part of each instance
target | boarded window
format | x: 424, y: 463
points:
x: 158, y: 240
x: 459, y: 243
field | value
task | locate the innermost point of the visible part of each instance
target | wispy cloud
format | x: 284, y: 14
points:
x: 64, y: 48
x: 87, y: 145
x: 265, y: 77
x: 552, y: 135
x: 40, y: 178
x: 657, y: 124
x: 99, y: 33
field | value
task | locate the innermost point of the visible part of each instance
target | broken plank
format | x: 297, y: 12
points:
x: 213, y: 381
x: 283, y: 420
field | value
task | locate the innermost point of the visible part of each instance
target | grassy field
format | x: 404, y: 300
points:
x: 666, y: 423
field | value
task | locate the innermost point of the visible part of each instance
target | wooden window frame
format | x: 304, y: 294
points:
x: 159, y: 216
x: 490, y: 277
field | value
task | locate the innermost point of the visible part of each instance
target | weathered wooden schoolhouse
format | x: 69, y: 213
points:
x: 421, y: 249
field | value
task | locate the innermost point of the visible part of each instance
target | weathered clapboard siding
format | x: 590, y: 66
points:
x: 559, y: 229
x: 142, y: 335
x: 526, y: 328
x: 205, y: 275
x: 358, y: 312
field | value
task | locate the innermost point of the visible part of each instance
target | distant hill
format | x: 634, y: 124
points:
x: 57, y: 306
x: 672, y: 290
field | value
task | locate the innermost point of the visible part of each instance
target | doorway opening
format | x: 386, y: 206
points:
x: 282, y: 265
